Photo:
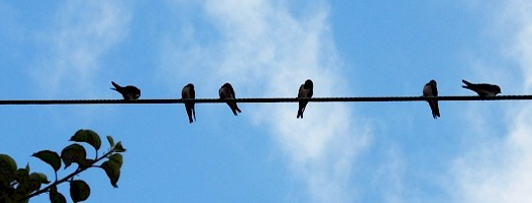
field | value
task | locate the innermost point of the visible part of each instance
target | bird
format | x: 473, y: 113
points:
x: 429, y: 90
x: 482, y: 89
x: 305, y: 91
x: 129, y: 92
x: 189, y: 93
x: 227, y: 92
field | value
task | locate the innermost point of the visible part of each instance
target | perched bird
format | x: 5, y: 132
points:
x: 129, y: 92
x: 482, y: 89
x: 189, y: 93
x: 430, y: 89
x: 305, y: 91
x: 227, y: 92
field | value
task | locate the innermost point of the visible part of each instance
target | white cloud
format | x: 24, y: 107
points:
x: 264, y: 47
x: 389, y: 175
x: 80, y: 33
x: 497, y: 168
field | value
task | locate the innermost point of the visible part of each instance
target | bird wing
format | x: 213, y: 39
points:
x: 221, y: 92
x: 185, y: 93
x: 231, y: 92
x: 434, y: 90
x: 427, y: 91
x: 301, y: 92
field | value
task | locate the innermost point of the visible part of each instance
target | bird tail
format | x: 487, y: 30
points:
x: 116, y: 86
x: 435, y: 110
x: 194, y: 113
x: 189, y: 113
x: 467, y: 83
x: 234, y: 108
x: 300, y: 113
x: 302, y: 106
x: 436, y: 114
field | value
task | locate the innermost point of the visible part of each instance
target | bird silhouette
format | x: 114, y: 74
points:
x: 189, y: 93
x: 305, y: 91
x: 129, y: 92
x: 430, y: 89
x: 227, y: 92
x: 482, y: 89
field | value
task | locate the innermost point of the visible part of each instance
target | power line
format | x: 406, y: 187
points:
x: 265, y: 100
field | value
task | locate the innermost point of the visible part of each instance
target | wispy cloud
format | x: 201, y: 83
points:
x: 80, y: 33
x: 497, y: 168
x: 389, y: 175
x: 264, y: 47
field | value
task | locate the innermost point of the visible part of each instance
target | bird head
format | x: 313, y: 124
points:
x: 190, y: 85
x: 308, y: 84
x: 497, y: 90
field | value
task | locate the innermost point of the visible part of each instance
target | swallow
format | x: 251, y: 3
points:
x: 482, y: 89
x: 430, y: 89
x: 129, y: 92
x: 189, y: 93
x: 305, y: 91
x: 227, y: 92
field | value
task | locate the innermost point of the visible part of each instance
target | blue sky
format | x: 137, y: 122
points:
x: 340, y: 152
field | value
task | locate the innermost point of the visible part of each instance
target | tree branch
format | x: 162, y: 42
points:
x: 78, y: 171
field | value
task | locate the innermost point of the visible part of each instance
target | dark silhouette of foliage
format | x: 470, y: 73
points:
x: 19, y: 185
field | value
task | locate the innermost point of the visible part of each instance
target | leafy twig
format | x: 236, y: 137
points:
x: 78, y: 171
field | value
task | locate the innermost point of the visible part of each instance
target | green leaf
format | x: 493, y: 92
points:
x: 73, y: 153
x: 56, y: 197
x: 86, y: 163
x: 112, y: 169
x: 7, y: 164
x: 79, y: 190
x: 53, y: 188
x: 87, y: 136
x: 31, y: 184
x: 41, y: 177
x: 119, y: 148
x: 34, y: 183
x: 111, y: 141
x: 117, y: 158
x: 50, y: 157
x: 22, y: 175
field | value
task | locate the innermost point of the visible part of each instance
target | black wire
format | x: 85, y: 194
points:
x: 265, y: 100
